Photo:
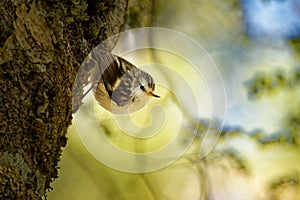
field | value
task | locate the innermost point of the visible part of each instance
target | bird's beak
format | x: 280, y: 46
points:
x: 153, y: 95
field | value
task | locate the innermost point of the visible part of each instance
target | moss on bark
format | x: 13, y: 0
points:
x: 42, y: 46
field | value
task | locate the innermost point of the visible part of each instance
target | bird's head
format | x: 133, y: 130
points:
x: 142, y: 91
x: 144, y: 84
x: 134, y: 90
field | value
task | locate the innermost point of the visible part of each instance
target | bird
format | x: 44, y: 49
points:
x: 118, y: 85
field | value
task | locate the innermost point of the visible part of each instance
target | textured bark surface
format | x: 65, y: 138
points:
x: 42, y: 46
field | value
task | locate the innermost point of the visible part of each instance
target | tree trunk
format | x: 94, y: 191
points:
x: 43, y: 44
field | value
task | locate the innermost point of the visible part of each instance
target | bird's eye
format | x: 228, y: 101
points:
x: 142, y: 87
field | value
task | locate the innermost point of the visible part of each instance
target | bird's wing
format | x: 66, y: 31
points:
x: 116, y: 67
x: 111, y: 69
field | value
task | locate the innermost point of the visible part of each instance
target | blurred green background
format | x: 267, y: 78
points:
x: 258, y: 154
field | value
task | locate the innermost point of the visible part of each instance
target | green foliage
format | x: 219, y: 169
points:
x: 265, y: 84
x: 289, y: 179
x: 269, y: 84
x: 295, y: 44
x: 292, y: 124
x: 289, y: 182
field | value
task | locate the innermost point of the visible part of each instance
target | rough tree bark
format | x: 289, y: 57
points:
x: 43, y: 43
